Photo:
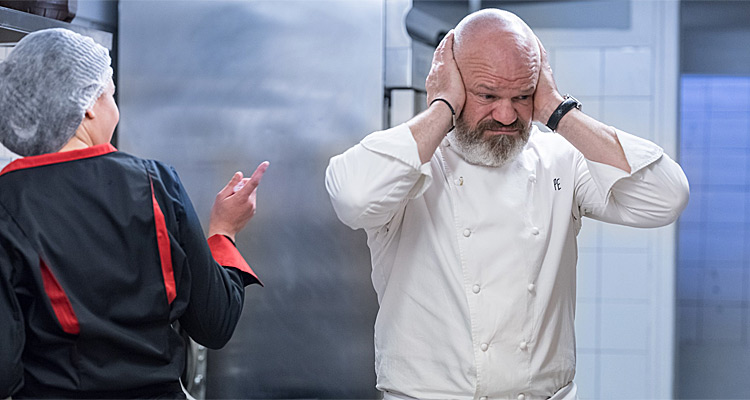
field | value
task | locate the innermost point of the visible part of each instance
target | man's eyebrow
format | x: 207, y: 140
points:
x: 485, y: 87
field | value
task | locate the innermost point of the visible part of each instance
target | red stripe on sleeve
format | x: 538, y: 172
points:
x: 165, y: 251
x: 226, y: 254
x: 59, y: 300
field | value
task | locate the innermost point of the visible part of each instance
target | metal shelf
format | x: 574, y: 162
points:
x: 16, y: 24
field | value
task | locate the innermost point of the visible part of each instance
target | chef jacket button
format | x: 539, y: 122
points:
x: 459, y: 181
x: 523, y: 346
x: 476, y: 289
x: 535, y: 231
x: 521, y: 396
x: 532, y: 178
x: 531, y: 287
x: 467, y: 232
x: 484, y: 346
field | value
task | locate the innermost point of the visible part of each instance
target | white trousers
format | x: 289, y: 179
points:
x: 569, y: 392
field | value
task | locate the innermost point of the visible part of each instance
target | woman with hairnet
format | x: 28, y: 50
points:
x: 101, y: 252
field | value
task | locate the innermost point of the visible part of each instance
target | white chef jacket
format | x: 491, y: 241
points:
x: 475, y: 267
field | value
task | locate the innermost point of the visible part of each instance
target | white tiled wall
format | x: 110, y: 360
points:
x: 6, y: 155
x: 625, y: 311
x: 627, y: 71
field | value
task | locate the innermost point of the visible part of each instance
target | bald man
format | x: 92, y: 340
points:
x: 472, y: 229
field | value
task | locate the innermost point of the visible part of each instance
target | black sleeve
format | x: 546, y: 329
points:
x: 216, y: 293
x: 12, y: 337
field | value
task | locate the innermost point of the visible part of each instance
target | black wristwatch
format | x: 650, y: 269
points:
x: 568, y: 104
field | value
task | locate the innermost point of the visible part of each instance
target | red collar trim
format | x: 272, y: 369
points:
x: 59, y: 157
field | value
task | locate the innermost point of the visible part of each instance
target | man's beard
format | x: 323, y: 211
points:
x: 493, y: 151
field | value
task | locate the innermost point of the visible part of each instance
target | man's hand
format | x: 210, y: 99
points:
x: 546, y: 96
x: 444, y: 80
x: 235, y: 204
x: 596, y: 141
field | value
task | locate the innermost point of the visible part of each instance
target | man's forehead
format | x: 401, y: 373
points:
x: 527, y: 86
x: 508, y: 56
x: 498, y: 76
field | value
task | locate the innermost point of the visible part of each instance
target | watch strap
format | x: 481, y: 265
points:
x: 567, y: 104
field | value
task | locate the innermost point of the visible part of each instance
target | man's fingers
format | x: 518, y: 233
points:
x: 445, y: 45
x: 449, y: 39
x: 542, y: 51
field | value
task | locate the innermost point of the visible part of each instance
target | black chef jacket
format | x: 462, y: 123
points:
x: 100, y: 253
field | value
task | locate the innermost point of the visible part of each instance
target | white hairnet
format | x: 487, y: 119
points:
x: 47, y: 82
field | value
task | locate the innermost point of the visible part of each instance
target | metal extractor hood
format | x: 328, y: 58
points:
x: 16, y: 24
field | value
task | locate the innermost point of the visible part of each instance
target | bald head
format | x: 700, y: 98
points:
x: 498, y: 36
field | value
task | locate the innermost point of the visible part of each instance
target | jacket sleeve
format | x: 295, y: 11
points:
x: 12, y: 336
x: 653, y: 194
x: 219, y: 275
x: 371, y: 181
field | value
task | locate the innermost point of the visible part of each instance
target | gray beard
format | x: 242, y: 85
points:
x: 495, y: 151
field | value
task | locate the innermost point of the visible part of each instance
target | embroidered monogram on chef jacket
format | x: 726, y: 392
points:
x: 556, y: 184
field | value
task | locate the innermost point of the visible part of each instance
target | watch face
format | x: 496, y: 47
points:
x: 578, y: 103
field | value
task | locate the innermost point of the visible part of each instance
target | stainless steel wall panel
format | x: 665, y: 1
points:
x: 216, y: 86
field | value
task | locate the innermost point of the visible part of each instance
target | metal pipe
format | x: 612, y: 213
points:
x: 475, y: 5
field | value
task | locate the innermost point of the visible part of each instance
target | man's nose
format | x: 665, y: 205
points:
x: 504, y: 112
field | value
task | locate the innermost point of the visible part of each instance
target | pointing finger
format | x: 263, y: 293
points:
x: 254, y: 180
